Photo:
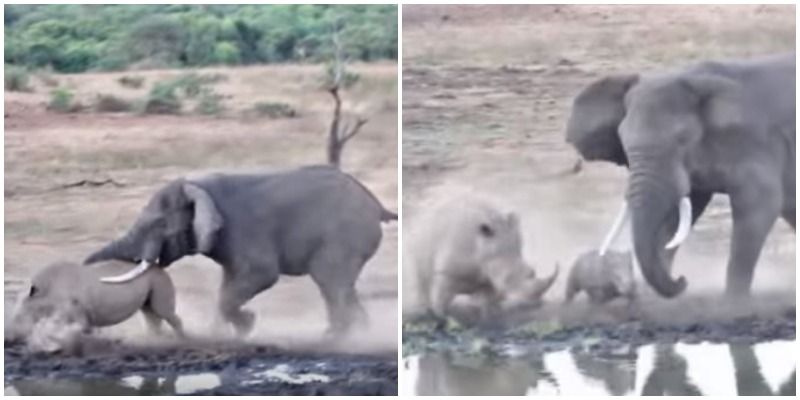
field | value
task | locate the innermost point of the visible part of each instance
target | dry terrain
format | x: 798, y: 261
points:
x: 73, y: 181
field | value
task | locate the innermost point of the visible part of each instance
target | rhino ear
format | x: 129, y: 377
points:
x: 207, y: 219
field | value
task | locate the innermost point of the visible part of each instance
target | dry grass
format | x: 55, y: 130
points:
x: 656, y: 35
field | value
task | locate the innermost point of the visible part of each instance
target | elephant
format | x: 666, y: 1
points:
x: 669, y: 376
x: 685, y: 134
x: 314, y: 220
x: 603, y: 277
x: 619, y: 378
x: 467, y: 246
x: 66, y: 300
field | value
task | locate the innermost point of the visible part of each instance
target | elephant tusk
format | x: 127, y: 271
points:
x: 616, y: 228
x: 130, y: 275
x: 684, y: 224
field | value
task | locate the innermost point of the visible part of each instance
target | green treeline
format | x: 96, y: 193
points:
x: 76, y: 38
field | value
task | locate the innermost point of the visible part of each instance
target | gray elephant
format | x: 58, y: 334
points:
x: 66, y: 300
x: 603, y: 277
x: 686, y: 134
x: 313, y: 220
x: 466, y: 256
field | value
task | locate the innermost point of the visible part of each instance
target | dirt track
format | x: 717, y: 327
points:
x: 54, y: 211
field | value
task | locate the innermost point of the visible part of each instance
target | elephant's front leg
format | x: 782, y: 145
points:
x: 755, y: 210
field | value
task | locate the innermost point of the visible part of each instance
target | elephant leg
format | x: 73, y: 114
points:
x: 237, y: 289
x: 335, y: 271
x: 788, y: 216
x: 755, y: 211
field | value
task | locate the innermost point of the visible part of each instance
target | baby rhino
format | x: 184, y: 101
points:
x: 67, y: 300
x: 467, y: 248
x: 603, y: 278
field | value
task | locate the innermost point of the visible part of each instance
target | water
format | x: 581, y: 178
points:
x: 177, y: 384
x: 658, y: 369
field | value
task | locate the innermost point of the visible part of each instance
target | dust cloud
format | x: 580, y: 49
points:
x: 563, y: 216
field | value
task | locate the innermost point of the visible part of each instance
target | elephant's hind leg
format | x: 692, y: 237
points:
x: 335, y: 270
x: 238, y: 289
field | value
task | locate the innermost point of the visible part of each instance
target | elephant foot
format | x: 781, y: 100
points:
x: 244, y: 323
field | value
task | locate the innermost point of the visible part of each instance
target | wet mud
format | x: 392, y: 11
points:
x: 241, y: 370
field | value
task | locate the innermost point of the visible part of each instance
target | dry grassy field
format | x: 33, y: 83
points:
x: 49, y: 217
x: 487, y: 91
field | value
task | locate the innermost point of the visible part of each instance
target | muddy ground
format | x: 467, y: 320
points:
x: 74, y: 181
x: 239, y: 370
x: 486, y: 95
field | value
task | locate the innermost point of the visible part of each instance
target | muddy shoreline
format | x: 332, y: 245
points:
x: 426, y: 336
x: 240, y: 371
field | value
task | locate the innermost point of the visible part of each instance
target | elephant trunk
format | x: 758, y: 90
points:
x: 650, y: 213
x: 119, y: 249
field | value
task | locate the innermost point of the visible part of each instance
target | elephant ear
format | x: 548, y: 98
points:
x: 720, y: 101
x: 596, y: 114
x: 207, y: 219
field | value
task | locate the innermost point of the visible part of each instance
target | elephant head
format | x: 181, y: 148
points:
x: 664, y: 129
x: 180, y: 219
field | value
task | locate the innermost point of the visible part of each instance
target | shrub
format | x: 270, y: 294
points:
x: 210, y: 103
x: 61, y: 100
x: 17, y: 79
x: 47, y: 78
x: 134, y: 82
x: 111, y: 103
x: 162, y: 100
x: 274, y: 110
x: 348, y: 78
x: 227, y: 53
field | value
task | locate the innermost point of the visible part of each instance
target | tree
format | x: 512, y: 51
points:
x: 339, y: 133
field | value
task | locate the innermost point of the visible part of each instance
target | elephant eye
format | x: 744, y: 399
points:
x: 486, y: 230
x: 33, y: 291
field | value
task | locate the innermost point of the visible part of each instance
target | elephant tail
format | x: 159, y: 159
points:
x: 387, y: 215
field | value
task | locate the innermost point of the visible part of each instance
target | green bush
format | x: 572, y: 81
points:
x: 162, y: 100
x: 17, y: 79
x: 111, y: 103
x: 74, y: 38
x: 210, y: 103
x: 62, y: 100
x: 274, y: 110
x: 134, y: 82
x: 227, y: 53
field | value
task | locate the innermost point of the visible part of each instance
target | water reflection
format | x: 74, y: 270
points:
x: 133, y: 385
x: 660, y: 369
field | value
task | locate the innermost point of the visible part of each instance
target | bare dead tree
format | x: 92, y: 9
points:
x: 340, y: 133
